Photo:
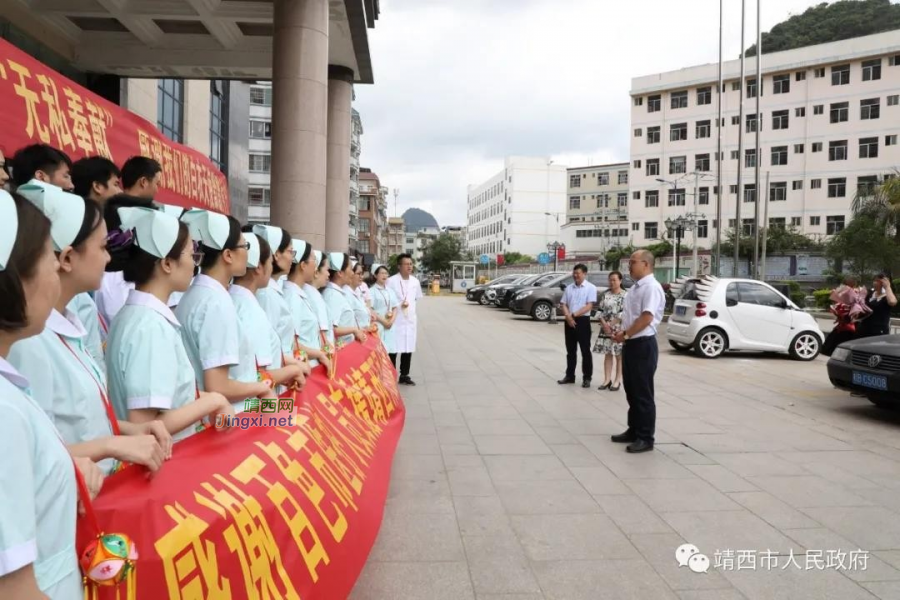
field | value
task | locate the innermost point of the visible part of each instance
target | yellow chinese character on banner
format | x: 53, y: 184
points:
x: 250, y: 538
x: 184, y: 553
x: 59, y: 126
x: 79, y: 121
x: 99, y: 120
x: 33, y: 124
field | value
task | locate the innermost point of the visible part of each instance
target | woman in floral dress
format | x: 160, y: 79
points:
x: 612, y: 305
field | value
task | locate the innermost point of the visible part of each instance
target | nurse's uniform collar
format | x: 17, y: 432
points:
x: 8, y: 372
x: 208, y: 282
x: 335, y: 286
x: 66, y: 325
x: 290, y: 285
x: 137, y: 298
x: 240, y: 291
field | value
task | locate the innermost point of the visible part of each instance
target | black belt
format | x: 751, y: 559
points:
x: 643, y: 338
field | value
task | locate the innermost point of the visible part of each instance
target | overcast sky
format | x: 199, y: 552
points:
x: 461, y: 84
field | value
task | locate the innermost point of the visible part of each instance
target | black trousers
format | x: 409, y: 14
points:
x: 405, y: 362
x: 639, y: 359
x: 579, y: 336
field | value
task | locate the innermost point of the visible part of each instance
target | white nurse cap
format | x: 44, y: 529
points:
x: 155, y: 232
x: 337, y: 261
x: 273, y: 235
x: 172, y: 210
x: 9, y: 227
x: 210, y: 228
x: 299, y: 249
x: 318, y: 255
x: 253, y: 251
x: 65, y: 210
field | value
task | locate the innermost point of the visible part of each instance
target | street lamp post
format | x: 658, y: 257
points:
x: 690, y: 220
x: 677, y: 226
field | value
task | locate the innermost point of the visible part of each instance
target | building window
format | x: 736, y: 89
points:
x: 678, y: 132
x: 780, y: 119
x: 749, y: 192
x: 800, y: 111
x: 748, y: 227
x: 779, y: 155
x: 751, y: 123
x: 704, y: 96
x: 637, y: 163
x: 603, y: 179
x: 364, y: 225
x: 800, y: 76
x: 170, y: 108
x: 638, y: 100
x: 653, y: 135
x: 837, y: 187
x: 840, y: 75
x: 840, y: 112
x: 735, y: 86
x: 622, y: 177
x: 894, y: 60
x: 651, y: 230
x: 776, y: 223
x: 751, y: 88
x: 677, y: 164
x: 638, y: 132
x: 574, y: 181
x: 797, y: 184
x: 798, y: 148
x: 890, y: 140
x: 868, y: 147
x: 893, y: 100
x: 703, y: 195
x: 871, y: 69
x: 679, y: 99
x: 260, y: 129
x: 702, y: 129
x: 870, y: 109
x: 778, y: 191
x: 218, y: 123
x: 260, y: 163
x: 654, y: 103
x: 815, y: 221
x: 781, y: 84
x: 676, y: 197
x: 815, y: 184
x: 837, y: 150
x: 819, y: 72
x: 750, y: 158
x: 622, y: 199
x: 866, y: 185
x: 259, y: 196
x: 734, y: 155
x: 703, y: 228
x: 732, y: 189
x: 652, y: 166
x: 261, y: 96
x: 817, y: 146
x: 701, y: 162
x: 834, y: 224
x: 819, y: 109
x: 736, y: 120
x: 603, y: 201
x: 363, y: 246
x: 574, y: 202
x: 635, y: 195
x: 651, y: 200
x: 796, y: 221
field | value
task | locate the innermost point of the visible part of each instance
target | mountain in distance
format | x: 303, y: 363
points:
x: 415, y: 219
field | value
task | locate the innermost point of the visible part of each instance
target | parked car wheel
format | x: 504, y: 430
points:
x: 711, y: 343
x: 680, y: 347
x: 541, y: 311
x: 483, y: 300
x: 883, y: 402
x: 805, y: 346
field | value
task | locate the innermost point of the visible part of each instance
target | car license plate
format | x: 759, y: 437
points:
x: 680, y: 310
x: 876, y: 382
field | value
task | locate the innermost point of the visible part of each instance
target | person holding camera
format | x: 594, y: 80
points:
x: 880, y: 300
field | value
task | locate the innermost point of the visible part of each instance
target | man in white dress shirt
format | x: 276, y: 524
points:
x: 577, y: 302
x: 409, y: 291
x: 644, y: 305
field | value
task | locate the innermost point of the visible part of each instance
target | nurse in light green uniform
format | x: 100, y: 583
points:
x: 84, y: 306
x: 271, y: 297
x: 66, y: 380
x: 354, y: 296
x: 254, y: 324
x: 314, y: 292
x: 222, y: 359
x: 340, y: 313
x: 150, y: 375
x: 384, y: 304
x: 310, y: 335
x: 38, y: 493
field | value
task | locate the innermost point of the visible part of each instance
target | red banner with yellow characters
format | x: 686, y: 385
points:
x: 39, y: 105
x: 268, y: 512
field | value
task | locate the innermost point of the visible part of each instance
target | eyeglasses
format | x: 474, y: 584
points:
x: 245, y: 246
x: 293, y: 253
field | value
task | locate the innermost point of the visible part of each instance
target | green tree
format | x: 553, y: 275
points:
x: 825, y: 22
x: 863, y: 247
x: 613, y: 257
x: 392, y: 264
x: 438, y: 255
x: 514, y: 258
x: 881, y: 202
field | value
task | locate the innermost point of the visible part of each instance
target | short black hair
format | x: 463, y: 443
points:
x: 37, y: 157
x: 137, y: 167
x: 400, y: 257
x: 616, y: 273
x: 28, y: 247
x: 93, y: 216
x: 140, y: 265
x: 580, y: 267
x: 93, y: 169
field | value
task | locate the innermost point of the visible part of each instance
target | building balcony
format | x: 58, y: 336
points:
x: 354, y: 210
x: 354, y: 187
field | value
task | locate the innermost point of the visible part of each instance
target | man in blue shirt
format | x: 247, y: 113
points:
x: 577, y: 301
x: 643, y: 313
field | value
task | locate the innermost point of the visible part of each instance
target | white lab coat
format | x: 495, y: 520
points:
x: 410, y: 291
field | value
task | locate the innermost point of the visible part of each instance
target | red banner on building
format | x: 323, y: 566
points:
x: 284, y: 512
x: 39, y: 105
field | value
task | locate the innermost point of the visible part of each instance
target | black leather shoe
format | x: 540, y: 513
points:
x: 586, y: 383
x: 566, y: 380
x: 624, y: 438
x: 407, y: 381
x: 639, y: 446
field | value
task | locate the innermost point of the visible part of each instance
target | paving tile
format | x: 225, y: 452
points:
x: 870, y: 528
x: 572, y: 537
x: 825, y: 540
x: 631, y: 514
x: 772, y: 510
x: 414, y: 581
x: 599, y: 481
x: 722, y: 479
x: 658, y: 549
x: 803, y: 491
x: 425, y: 466
x: 729, y: 530
x: 680, y: 495
x: 498, y: 565
x: 516, y: 426
x: 481, y: 516
x: 757, y: 464
x: 470, y: 481
x: 601, y: 580
x: 526, y: 468
x: 575, y: 455
x: 555, y: 435
x: 545, y: 497
x: 511, y: 444
x: 795, y: 584
x: 435, y: 538
x: 886, y: 590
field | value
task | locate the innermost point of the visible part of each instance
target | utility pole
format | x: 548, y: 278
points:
x: 721, y: 127
x: 765, y: 235
x: 696, y: 267
x: 741, y: 125
x: 396, y: 193
x: 759, y: 92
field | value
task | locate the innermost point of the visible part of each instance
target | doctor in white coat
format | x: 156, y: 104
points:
x: 409, y: 292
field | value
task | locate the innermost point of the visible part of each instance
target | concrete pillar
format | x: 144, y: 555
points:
x: 337, y: 203
x: 300, y: 118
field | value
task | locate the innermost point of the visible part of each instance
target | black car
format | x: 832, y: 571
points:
x: 476, y: 292
x: 869, y: 366
x: 505, y: 293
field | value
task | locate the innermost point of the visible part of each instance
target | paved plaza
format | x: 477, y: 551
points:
x: 506, y: 486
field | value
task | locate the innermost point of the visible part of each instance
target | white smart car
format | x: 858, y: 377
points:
x: 713, y: 315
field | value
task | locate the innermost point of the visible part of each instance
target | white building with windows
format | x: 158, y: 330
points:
x: 829, y: 124
x: 520, y: 209
x: 597, y: 209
